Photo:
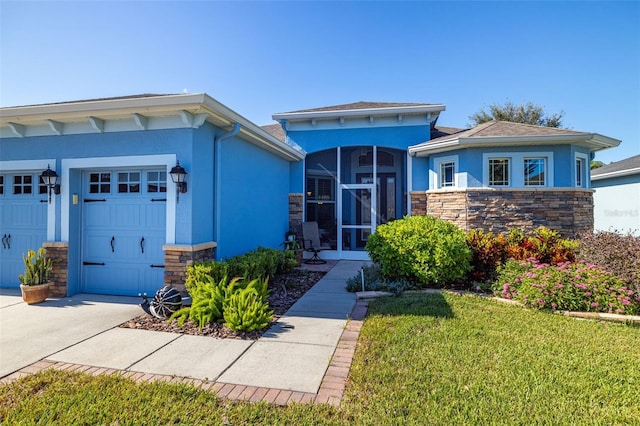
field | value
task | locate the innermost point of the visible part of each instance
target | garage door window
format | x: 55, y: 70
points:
x: 129, y: 182
x: 100, y: 183
x: 156, y: 181
x: 22, y: 184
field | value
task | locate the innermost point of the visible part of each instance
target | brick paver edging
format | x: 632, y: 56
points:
x: 331, y: 389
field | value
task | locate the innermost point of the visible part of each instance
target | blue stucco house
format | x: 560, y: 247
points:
x: 119, y: 224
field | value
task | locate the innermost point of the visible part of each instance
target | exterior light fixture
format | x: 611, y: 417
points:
x: 179, y: 176
x: 50, y: 179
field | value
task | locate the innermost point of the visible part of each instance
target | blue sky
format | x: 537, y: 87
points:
x: 260, y: 58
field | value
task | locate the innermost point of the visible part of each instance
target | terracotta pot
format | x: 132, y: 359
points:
x: 33, y: 294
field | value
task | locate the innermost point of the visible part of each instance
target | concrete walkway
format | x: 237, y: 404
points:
x: 305, y: 356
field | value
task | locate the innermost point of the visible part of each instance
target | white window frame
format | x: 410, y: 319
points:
x: 436, y: 174
x: 516, y: 168
x: 584, y: 158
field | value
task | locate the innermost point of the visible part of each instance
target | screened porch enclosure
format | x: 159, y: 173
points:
x: 367, y: 189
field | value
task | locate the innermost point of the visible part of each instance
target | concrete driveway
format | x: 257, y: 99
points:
x: 29, y: 333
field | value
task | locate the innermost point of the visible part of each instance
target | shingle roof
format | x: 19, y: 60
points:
x: 443, y: 131
x: 275, y: 130
x: 359, y: 105
x: 115, y: 98
x: 627, y: 164
x: 504, y: 133
x: 505, y: 129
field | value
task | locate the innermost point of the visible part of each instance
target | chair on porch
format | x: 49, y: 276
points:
x: 311, y: 242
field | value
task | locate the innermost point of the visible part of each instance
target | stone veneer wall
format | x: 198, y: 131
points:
x: 59, y: 251
x: 418, y: 202
x: 567, y: 210
x: 178, y: 257
x: 296, y: 202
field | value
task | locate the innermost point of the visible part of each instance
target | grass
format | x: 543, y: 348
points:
x: 422, y: 359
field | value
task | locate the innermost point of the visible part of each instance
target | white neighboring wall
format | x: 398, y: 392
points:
x: 616, y: 206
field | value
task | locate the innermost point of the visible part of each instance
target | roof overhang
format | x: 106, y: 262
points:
x: 362, y: 112
x: 618, y: 173
x: 194, y: 110
x: 593, y: 141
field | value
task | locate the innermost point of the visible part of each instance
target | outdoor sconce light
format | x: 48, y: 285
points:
x: 179, y: 176
x: 50, y: 178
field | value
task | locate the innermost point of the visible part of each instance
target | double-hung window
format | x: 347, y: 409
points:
x: 499, y: 171
x: 447, y: 174
x: 518, y: 169
x: 579, y: 168
x: 535, y: 171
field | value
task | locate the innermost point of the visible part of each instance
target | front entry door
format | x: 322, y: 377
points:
x: 123, y: 217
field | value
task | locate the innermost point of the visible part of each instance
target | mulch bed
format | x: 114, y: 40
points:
x: 285, y: 290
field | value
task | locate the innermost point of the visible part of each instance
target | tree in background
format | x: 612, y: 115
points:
x: 528, y: 113
x: 595, y: 164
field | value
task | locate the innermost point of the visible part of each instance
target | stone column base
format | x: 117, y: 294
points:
x: 178, y: 257
x: 59, y: 252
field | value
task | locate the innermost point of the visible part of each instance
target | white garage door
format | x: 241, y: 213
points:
x: 123, y: 230
x: 23, y: 222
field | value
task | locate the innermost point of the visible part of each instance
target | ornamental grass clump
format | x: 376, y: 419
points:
x: 566, y: 286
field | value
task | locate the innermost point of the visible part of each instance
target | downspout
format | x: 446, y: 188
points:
x: 217, y: 183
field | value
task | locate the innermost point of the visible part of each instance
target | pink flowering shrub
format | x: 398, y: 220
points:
x: 615, y: 252
x: 566, y: 286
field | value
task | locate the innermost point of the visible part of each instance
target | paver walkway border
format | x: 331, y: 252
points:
x: 330, y: 392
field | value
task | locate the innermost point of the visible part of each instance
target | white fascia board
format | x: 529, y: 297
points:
x: 593, y: 141
x: 143, y: 105
x: 254, y: 133
x: 619, y: 173
x: 294, y: 116
x: 194, y: 104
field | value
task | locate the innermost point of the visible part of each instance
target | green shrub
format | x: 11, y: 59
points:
x: 420, y: 249
x: 567, y: 286
x: 260, y: 263
x: 375, y: 281
x: 488, y: 251
x: 203, y: 272
x: 616, y: 253
x: 545, y: 245
x: 215, y: 297
x: 207, y: 301
x: 246, y: 307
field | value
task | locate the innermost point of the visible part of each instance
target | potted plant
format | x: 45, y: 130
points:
x: 34, y: 283
x: 290, y: 235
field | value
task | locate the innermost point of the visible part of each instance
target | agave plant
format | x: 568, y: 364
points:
x: 37, y: 268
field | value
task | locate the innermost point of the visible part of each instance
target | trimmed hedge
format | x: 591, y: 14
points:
x: 423, y: 250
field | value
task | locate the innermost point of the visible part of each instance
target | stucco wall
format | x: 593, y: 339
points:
x: 471, y: 164
x: 254, y: 198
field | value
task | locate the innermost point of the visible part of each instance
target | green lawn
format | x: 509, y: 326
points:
x: 428, y: 359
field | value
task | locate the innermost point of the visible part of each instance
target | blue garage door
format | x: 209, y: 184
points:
x: 123, y: 218
x: 23, y: 222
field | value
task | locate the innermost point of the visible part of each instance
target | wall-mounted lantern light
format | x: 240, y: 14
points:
x: 50, y: 178
x: 179, y: 176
